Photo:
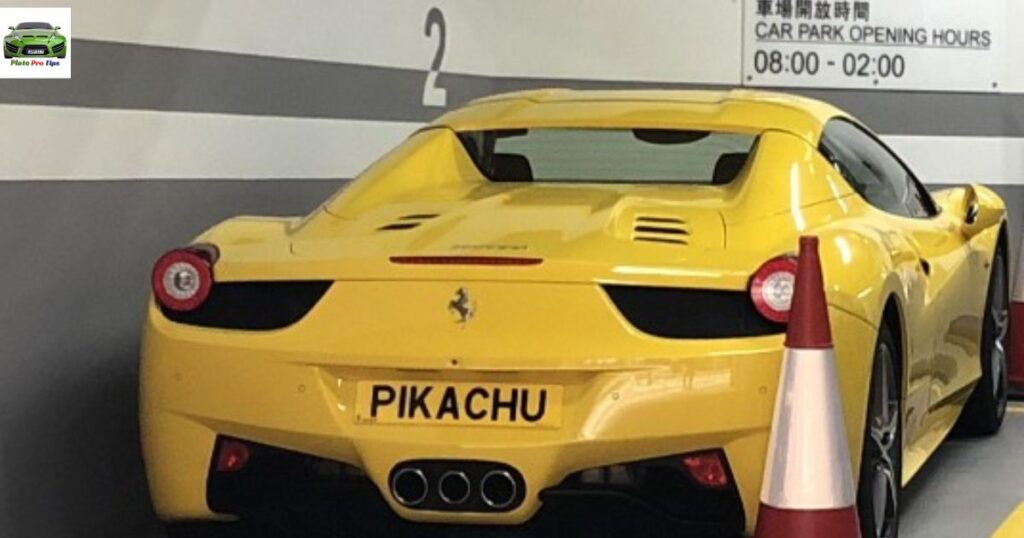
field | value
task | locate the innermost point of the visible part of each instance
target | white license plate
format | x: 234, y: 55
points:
x: 439, y: 403
x: 35, y: 52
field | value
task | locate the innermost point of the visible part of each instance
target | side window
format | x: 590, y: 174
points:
x: 873, y: 171
x: 921, y: 203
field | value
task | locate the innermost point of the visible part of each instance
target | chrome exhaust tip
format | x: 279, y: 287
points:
x: 498, y: 489
x: 454, y: 487
x: 409, y: 486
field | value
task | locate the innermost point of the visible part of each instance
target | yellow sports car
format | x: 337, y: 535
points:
x: 565, y: 310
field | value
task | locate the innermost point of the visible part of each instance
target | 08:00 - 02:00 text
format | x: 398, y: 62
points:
x: 809, y: 63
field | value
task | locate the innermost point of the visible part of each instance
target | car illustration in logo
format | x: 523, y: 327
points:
x: 35, y: 40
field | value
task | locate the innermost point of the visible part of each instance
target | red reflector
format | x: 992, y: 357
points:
x: 464, y: 260
x: 232, y: 456
x: 707, y: 469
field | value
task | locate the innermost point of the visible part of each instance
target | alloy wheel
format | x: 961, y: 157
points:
x: 884, y: 455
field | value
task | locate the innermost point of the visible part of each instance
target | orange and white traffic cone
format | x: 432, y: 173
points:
x: 808, y: 489
x: 1015, y: 370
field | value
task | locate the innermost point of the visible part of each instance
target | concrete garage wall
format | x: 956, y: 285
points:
x: 182, y: 113
x: 76, y: 262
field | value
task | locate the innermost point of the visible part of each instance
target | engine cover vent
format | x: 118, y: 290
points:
x: 407, y: 222
x: 661, y: 230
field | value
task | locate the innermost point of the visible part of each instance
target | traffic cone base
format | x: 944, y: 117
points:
x: 837, y: 523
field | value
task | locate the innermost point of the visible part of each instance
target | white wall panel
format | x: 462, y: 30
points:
x: 640, y: 40
x: 1013, y: 81
x: 645, y: 40
x: 953, y: 159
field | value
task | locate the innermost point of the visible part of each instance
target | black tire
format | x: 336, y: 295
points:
x: 62, y: 56
x: 881, y: 469
x: 986, y: 408
x: 6, y: 57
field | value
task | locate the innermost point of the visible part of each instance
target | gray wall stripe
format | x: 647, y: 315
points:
x: 130, y: 76
x: 71, y: 328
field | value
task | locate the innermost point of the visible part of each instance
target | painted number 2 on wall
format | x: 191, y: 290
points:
x: 432, y: 94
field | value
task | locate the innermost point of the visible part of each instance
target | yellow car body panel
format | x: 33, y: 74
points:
x: 626, y: 395
x: 1013, y: 525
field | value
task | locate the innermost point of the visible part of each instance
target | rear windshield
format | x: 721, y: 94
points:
x: 609, y: 155
x: 35, y: 26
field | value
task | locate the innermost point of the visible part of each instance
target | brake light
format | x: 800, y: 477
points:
x: 707, y: 469
x: 771, y: 288
x: 232, y: 456
x: 182, y: 278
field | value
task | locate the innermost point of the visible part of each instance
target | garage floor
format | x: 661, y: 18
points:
x: 970, y: 486
x: 967, y: 489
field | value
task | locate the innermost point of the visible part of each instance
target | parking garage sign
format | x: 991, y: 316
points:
x: 933, y: 45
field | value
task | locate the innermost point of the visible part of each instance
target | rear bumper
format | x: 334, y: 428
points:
x: 281, y: 389
x: 316, y: 497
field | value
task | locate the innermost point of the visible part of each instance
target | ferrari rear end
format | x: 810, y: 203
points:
x: 462, y: 390
x: 443, y: 346
x: 545, y: 395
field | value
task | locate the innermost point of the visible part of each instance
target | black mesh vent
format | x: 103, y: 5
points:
x: 254, y: 306
x: 407, y: 222
x: 661, y: 230
x: 398, y: 226
x: 690, y: 313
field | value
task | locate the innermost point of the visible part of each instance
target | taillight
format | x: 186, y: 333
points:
x: 182, y: 278
x: 707, y: 468
x: 232, y: 456
x: 771, y: 288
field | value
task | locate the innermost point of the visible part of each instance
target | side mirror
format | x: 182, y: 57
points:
x: 55, y: 28
x: 979, y: 216
x: 964, y: 204
x: 10, y: 28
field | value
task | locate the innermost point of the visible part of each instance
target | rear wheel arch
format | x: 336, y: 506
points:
x: 985, y: 410
x: 1003, y: 244
x: 892, y: 319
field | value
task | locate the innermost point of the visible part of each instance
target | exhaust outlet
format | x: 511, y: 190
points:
x: 453, y: 487
x: 498, y: 489
x: 409, y: 486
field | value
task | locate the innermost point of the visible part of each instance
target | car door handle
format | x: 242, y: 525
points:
x: 925, y: 267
